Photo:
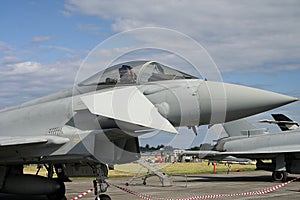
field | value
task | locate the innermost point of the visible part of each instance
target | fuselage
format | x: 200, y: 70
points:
x: 181, y: 99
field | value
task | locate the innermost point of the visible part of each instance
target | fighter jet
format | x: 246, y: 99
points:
x: 96, y: 123
x: 284, y: 123
x: 247, y: 141
x: 212, y: 158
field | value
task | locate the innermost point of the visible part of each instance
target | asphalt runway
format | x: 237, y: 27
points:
x: 183, y: 187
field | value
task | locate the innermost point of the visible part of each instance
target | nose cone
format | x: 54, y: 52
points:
x: 231, y: 102
x: 244, y: 101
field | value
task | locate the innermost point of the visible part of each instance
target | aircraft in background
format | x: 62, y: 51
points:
x: 79, y: 131
x: 284, y: 123
x: 247, y: 141
x: 187, y: 155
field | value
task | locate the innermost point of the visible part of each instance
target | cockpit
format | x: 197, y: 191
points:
x: 135, y: 72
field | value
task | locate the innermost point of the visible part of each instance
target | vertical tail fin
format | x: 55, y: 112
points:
x: 285, y: 123
x: 281, y: 117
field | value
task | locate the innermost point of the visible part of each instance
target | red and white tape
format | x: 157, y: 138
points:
x: 83, y: 194
x: 212, y: 196
x: 140, y: 195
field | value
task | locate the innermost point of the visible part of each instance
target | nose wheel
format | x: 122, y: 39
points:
x: 99, y: 188
x: 103, y: 197
x: 100, y: 185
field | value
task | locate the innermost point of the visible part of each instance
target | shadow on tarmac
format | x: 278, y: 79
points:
x: 228, y: 178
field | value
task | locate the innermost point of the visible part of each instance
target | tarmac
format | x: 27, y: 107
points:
x: 186, y: 186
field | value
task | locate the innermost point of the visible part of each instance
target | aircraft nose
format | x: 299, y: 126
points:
x: 230, y: 101
x: 248, y: 101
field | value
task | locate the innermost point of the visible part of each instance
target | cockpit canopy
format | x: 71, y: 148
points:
x: 135, y: 72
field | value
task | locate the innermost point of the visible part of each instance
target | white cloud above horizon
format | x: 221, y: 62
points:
x: 40, y: 39
x: 240, y: 35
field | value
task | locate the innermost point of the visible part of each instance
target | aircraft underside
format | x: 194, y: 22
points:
x: 14, y: 181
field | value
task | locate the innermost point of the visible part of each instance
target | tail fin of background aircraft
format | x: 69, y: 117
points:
x: 281, y: 117
x: 242, y: 127
x: 285, y: 123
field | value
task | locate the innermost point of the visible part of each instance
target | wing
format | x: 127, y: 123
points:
x: 15, y: 141
x: 23, y: 149
x: 27, y: 140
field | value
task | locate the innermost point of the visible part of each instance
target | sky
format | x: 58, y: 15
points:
x: 254, y: 43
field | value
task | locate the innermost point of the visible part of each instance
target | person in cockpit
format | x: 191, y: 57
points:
x: 127, y: 74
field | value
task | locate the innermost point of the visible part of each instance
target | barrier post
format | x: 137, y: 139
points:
x: 215, y: 168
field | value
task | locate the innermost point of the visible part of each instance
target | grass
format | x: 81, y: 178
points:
x: 128, y: 170
x: 178, y: 168
x: 204, y: 168
x: 32, y: 169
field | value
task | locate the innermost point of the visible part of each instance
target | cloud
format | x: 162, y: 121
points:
x: 35, y: 70
x: 240, y: 35
x: 7, y: 55
x: 65, y: 13
x: 40, y: 39
x: 88, y: 27
x: 5, y: 47
x: 243, y: 36
x: 60, y: 48
x: 154, y: 44
x: 7, y: 59
x: 28, y: 80
x: 25, y: 67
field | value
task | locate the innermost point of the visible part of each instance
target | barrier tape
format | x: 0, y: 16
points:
x: 212, y: 196
x: 140, y: 195
x: 83, y: 194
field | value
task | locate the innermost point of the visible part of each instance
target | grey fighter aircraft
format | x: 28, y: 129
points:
x: 247, y: 141
x: 284, y: 123
x: 95, y: 124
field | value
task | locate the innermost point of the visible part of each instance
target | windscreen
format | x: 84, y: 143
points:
x: 136, y: 72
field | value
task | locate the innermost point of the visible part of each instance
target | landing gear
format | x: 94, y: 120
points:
x: 279, y: 176
x: 61, y: 178
x: 100, y: 185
